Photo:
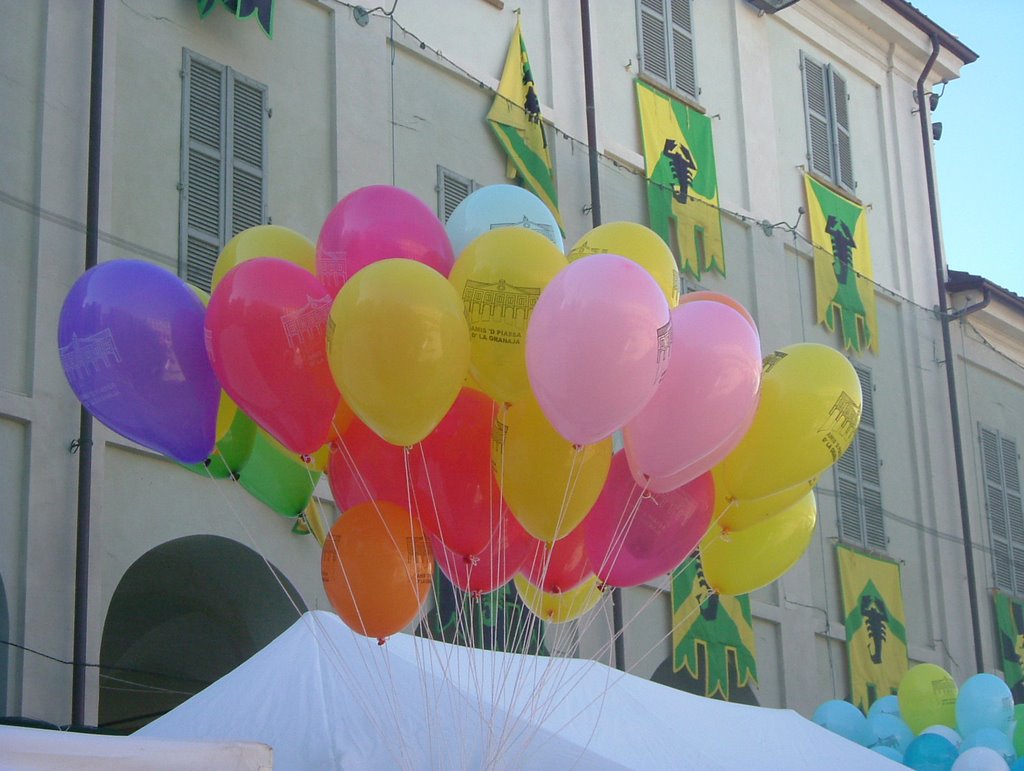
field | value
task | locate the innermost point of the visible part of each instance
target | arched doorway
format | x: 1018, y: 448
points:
x: 183, y: 615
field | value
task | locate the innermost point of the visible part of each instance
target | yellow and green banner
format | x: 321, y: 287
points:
x: 843, y: 276
x: 516, y: 122
x: 711, y: 634
x: 876, y: 635
x: 682, y: 182
x: 263, y: 10
x: 1010, y: 623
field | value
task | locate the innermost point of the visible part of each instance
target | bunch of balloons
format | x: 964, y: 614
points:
x: 461, y: 385
x: 931, y: 725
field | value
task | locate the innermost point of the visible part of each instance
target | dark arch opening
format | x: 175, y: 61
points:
x: 185, y: 614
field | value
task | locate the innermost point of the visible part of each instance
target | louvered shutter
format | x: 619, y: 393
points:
x: 654, y: 57
x: 858, y: 478
x: 246, y: 159
x: 841, y: 135
x: 816, y: 108
x: 202, y: 192
x: 684, y: 75
x: 995, y: 505
x: 1014, y: 512
x: 452, y: 189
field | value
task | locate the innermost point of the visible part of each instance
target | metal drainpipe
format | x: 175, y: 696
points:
x: 595, y: 219
x: 81, y: 623
x: 947, y: 349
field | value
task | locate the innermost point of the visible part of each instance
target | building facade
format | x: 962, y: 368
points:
x: 210, y: 125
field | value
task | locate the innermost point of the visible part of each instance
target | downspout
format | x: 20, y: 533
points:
x: 595, y: 219
x: 947, y: 349
x: 92, y: 206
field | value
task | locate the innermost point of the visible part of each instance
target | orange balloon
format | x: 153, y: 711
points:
x: 377, y: 568
x: 342, y: 420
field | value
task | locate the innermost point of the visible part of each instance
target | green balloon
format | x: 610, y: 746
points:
x: 927, y: 696
x: 231, y: 452
x: 1018, y: 732
x: 277, y: 479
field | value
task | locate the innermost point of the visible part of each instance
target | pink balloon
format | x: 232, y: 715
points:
x: 706, y: 401
x: 561, y: 566
x: 493, y: 567
x: 597, y: 346
x: 266, y: 327
x: 633, y: 536
x: 377, y: 223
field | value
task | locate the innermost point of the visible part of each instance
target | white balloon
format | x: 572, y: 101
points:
x: 945, y: 732
x: 980, y: 759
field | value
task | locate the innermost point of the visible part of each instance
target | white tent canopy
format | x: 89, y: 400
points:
x: 39, y: 749
x: 324, y: 697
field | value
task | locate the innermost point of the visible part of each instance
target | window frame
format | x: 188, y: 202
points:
x: 827, y: 118
x: 858, y: 478
x: 445, y: 177
x: 241, y: 115
x: 675, y: 18
x: 999, y: 455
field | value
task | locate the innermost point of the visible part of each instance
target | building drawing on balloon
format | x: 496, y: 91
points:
x: 304, y: 328
x: 84, y: 358
x: 498, y: 311
x: 543, y: 228
x: 840, y: 424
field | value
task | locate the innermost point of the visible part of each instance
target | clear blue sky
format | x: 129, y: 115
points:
x: 980, y: 158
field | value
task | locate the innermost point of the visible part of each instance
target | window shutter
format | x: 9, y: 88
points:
x: 817, y: 111
x: 452, y: 189
x: 841, y: 139
x: 995, y: 504
x: 654, y: 39
x: 858, y: 478
x: 202, y: 194
x: 684, y: 77
x: 246, y: 160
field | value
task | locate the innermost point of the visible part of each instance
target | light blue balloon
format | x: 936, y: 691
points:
x: 888, y: 752
x: 841, y: 717
x: 994, y: 740
x: 930, y: 752
x: 980, y: 759
x: 1018, y: 766
x: 984, y: 701
x: 498, y: 206
x: 889, y: 731
x: 889, y: 705
x: 946, y: 733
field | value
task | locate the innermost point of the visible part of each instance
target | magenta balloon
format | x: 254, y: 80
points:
x: 131, y: 345
x: 267, y: 326
x: 597, y: 346
x: 561, y: 566
x: 705, y: 403
x: 634, y: 536
x: 376, y: 223
x: 494, y: 566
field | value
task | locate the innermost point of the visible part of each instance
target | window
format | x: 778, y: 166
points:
x: 223, y: 162
x: 666, y: 44
x: 452, y: 188
x: 1003, y: 504
x: 828, y: 123
x: 858, y: 478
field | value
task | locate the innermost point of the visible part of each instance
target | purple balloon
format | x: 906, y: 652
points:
x: 131, y: 345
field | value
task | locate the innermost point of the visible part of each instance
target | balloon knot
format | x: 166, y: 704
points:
x: 235, y: 475
x: 381, y: 640
x: 207, y: 462
x: 476, y: 595
x: 472, y: 560
x: 306, y: 458
x: 602, y: 587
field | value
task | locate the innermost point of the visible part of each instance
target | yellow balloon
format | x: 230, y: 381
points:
x: 398, y: 348
x: 265, y: 241
x: 740, y: 562
x: 549, y: 484
x: 807, y: 416
x: 226, y: 411
x: 927, y: 696
x: 499, y: 277
x: 732, y: 513
x: 639, y: 244
x: 561, y: 607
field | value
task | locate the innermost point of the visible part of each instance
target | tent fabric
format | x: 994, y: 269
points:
x: 324, y: 697
x: 38, y: 748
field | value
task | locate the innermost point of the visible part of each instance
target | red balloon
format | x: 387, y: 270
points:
x: 493, y: 567
x: 363, y: 467
x: 561, y: 566
x: 377, y: 223
x: 457, y: 497
x: 633, y: 536
x: 266, y: 327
